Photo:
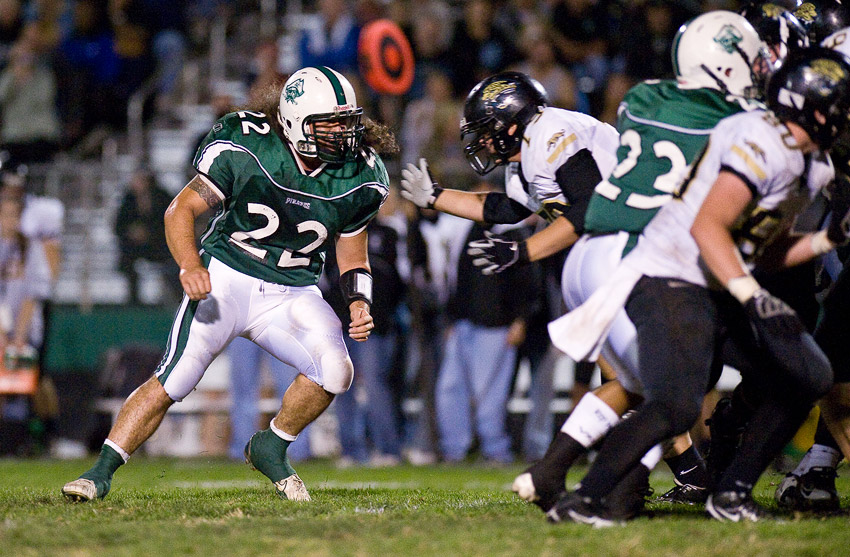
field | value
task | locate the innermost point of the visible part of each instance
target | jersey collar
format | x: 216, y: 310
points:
x: 300, y: 165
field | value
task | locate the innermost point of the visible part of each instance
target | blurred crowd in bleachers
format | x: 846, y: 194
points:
x: 68, y: 72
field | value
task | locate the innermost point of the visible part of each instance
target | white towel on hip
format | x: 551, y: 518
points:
x: 581, y: 333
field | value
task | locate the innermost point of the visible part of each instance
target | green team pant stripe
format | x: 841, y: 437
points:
x: 340, y: 94
x: 179, y: 334
x: 177, y: 338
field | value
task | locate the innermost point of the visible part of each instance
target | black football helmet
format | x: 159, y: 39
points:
x: 822, y: 18
x: 813, y: 84
x: 781, y: 31
x: 778, y: 28
x: 491, y: 108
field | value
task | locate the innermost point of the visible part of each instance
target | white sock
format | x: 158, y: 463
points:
x: 590, y: 420
x: 282, y: 434
x: 114, y: 446
x: 652, y: 457
x: 819, y: 456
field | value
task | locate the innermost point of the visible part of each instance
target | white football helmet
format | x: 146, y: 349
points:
x: 718, y: 50
x: 320, y: 94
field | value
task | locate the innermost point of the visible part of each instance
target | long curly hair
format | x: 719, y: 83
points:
x: 376, y: 136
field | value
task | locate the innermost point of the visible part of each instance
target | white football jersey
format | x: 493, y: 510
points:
x: 762, y: 152
x: 551, y: 138
x: 41, y: 220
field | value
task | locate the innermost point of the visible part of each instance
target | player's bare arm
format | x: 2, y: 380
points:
x: 559, y: 235
x: 353, y: 259
x: 192, y: 201
x: 711, y: 229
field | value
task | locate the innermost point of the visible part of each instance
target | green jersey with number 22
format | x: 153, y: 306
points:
x: 278, y: 219
x: 663, y: 128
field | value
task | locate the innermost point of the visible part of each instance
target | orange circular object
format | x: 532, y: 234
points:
x: 386, y: 58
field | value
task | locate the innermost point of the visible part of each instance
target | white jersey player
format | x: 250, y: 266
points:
x: 756, y: 174
x: 555, y: 158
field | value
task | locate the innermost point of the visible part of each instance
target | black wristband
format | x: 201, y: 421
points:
x: 437, y: 191
x: 356, y: 284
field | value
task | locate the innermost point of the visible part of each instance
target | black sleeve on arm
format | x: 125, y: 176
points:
x: 577, y: 178
x: 501, y: 209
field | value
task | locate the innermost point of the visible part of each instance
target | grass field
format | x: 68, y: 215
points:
x: 213, y: 507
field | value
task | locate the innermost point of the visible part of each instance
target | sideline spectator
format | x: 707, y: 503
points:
x: 333, y: 41
x: 30, y: 129
x: 479, y: 48
x: 141, y: 234
x: 537, y: 44
x: 490, y: 315
x: 430, y: 129
x: 370, y: 408
x: 247, y: 361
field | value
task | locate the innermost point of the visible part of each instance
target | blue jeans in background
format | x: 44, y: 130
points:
x: 246, y: 359
x: 473, y: 386
x: 369, y: 405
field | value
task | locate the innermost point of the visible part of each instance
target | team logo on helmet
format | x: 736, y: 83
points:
x: 830, y: 69
x: 294, y: 90
x: 495, y: 89
x: 806, y: 12
x: 772, y: 10
x: 728, y: 38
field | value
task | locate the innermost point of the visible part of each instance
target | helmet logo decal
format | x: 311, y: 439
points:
x: 772, y: 10
x: 294, y: 90
x: 806, y: 12
x: 829, y: 69
x: 495, y: 89
x: 728, y: 37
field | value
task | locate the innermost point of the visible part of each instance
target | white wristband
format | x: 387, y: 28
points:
x: 821, y: 243
x: 743, y: 287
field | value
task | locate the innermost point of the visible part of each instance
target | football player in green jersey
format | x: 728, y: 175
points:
x: 286, y: 182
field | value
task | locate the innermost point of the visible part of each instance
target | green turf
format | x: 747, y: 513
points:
x: 213, y: 507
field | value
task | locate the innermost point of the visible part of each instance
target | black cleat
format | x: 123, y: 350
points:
x: 734, y: 506
x: 628, y: 498
x: 583, y: 510
x: 684, y: 494
x: 812, y: 491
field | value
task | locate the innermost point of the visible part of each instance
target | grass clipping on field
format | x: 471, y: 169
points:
x: 216, y: 507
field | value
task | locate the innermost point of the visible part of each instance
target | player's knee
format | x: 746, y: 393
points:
x: 680, y: 414
x: 337, y: 372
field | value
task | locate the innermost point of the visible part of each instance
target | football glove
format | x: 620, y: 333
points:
x: 494, y: 254
x: 838, y: 230
x: 417, y: 186
x: 774, y: 322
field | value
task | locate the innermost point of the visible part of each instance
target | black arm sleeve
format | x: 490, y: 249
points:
x: 577, y: 178
x: 501, y: 209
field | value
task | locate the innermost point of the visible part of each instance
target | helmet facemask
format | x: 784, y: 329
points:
x: 491, y: 144
x: 334, y: 146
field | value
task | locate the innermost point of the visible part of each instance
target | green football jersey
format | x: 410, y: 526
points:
x: 277, y: 220
x: 663, y: 128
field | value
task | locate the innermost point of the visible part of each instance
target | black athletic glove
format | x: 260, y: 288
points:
x: 774, y: 322
x: 494, y: 254
x: 838, y: 230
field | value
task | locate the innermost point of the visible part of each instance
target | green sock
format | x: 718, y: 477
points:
x: 268, y: 455
x: 107, y: 463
